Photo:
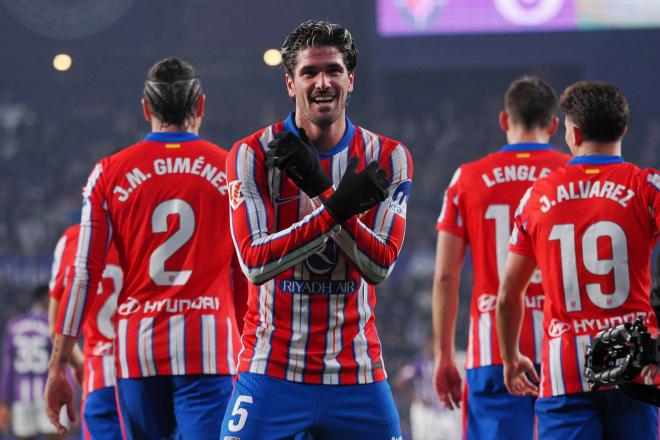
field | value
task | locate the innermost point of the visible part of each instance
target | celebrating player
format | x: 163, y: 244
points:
x: 478, y: 211
x: 98, y: 407
x: 590, y: 227
x: 25, y: 347
x: 315, y: 229
x: 163, y: 203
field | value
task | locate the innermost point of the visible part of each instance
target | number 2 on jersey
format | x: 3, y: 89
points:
x: 617, y: 265
x: 186, y: 229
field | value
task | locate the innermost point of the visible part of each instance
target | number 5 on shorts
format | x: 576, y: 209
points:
x: 242, y: 413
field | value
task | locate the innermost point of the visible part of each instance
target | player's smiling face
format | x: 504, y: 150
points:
x: 320, y: 85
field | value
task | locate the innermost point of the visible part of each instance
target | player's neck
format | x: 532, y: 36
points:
x: 325, y: 138
x: 596, y: 148
x: 158, y: 127
x: 536, y: 136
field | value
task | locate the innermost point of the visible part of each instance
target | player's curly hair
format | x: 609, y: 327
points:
x: 318, y: 34
x: 172, y: 90
x: 530, y: 101
x: 599, y: 109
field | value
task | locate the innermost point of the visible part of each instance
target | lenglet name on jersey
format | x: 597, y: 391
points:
x: 513, y: 173
x: 586, y: 189
x: 173, y: 165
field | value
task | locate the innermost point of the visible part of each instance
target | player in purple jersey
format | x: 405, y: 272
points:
x: 25, y: 350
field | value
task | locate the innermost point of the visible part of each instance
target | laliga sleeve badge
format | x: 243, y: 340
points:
x: 235, y: 194
x: 399, y: 198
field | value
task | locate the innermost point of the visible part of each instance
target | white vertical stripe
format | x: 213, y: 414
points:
x: 38, y: 389
x: 177, y: 336
x: 299, y: 330
x: 122, y: 327
x: 254, y: 206
x: 485, y: 340
x: 469, y: 357
x: 231, y: 364
x: 90, y: 377
x: 556, y: 379
x: 209, y: 358
x: 109, y: 371
x: 371, y: 145
x: 146, y: 347
x: 582, y: 342
x: 360, y: 342
x: 264, y: 332
x: 537, y: 321
x: 333, y: 335
x: 57, y: 261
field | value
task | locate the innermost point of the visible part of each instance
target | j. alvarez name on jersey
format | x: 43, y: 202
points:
x: 586, y: 189
x: 173, y: 165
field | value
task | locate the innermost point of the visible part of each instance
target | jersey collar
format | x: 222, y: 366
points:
x: 171, y: 136
x: 290, y: 125
x: 596, y: 159
x: 526, y: 146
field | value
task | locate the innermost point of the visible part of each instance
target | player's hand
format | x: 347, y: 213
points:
x: 447, y: 382
x: 358, y: 192
x: 649, y: 373
x: 299, y: 159
x: 520, y: 377
x: 57, y: 394
x: 5, y: 417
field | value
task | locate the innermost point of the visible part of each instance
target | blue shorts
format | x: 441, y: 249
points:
x: 490, y: 412
x: 598, y: 415
x: 263, y: 408
x: 183, y: 407
x: 100, y: 419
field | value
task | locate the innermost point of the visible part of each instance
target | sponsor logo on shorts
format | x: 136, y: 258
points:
x: 486, y: 302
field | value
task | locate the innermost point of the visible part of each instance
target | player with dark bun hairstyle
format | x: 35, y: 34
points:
x: 163, y: 204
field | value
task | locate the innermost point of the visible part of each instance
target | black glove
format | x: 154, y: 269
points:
x: 299, y: 159
x: 359, y: 192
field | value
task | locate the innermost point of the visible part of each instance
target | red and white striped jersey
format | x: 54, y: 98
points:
x: 98, y: 328
x: 163, y: 203
x: 478, y: 207
x: 590, y: 226
x: 311, y: 297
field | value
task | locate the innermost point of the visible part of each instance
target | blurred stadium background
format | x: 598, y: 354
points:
x: 431, y: 73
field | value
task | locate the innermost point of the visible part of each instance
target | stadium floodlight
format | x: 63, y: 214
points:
x: 273, y: 57
x: 62, y: 62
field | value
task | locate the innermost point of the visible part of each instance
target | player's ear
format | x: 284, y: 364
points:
x: 351, y: 81
x: 554, y: 125
x: 201, y: 105
x: 145, y: 110
x: 504, y: 121
x: 578, y: 135
x: 289, y: 87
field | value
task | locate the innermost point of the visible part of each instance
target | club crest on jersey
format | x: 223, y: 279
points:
x: 400, y: 197
x: 128, y: 307
x: 324, y: 261
x: 235, y: 194
x: 486, y: 303
x: 557, y: 328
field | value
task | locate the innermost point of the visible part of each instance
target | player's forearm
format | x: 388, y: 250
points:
x: 53, y: 307
x: 62, y: 351
x: 77, y: 358
x: 266, y: 256
x: 509, y: 316
x: 445, y: 311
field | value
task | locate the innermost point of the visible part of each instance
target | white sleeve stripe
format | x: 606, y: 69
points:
x: 254, y: 207
x: 57, y: 261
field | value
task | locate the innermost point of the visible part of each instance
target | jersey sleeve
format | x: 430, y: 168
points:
x: 521, y: 242
x: 6, y: 367
x: 240, y: 291
x: 263, y: 251
x: 451, y: 218
x: 93, y: 241
x: 373, y: 242
x: 57, y: 270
